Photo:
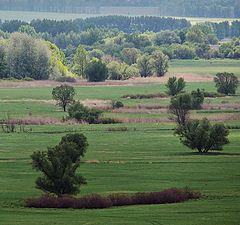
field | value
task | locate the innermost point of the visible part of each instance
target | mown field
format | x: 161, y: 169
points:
x: 205, y: 67
x: 145, y: 157
x: 28, y: 16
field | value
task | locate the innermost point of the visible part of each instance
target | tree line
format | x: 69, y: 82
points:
x: 122, y: 23
x: 201, y: 8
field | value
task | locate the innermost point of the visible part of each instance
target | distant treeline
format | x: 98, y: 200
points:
x: 200, y: 8
x: 122, y: 23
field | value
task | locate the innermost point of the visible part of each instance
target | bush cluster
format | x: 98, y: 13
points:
x: 145, y: 96
x: 96, y: 201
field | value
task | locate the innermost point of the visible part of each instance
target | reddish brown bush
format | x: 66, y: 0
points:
x: 99, y: 202
x: 145, y: 96
x: 92, y: 202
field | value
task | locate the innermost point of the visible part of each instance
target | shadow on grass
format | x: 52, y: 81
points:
x: 208, y: 154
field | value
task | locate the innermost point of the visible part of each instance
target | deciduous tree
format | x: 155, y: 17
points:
x: 64, y: 95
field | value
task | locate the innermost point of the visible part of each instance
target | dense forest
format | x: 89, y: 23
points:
x: 201, y: 8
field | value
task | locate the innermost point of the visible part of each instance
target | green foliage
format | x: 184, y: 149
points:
x: 114, y: 71
x: 166, y: 37
x: 180, y: 106
x: 26, y: 57
x: 175, y: 86
x: 58, y: 67
x: 203, y: 136
x: 28, y: 30
x: 197, y: 99
x: 160, y: 63
x: 64, y: 95
x: 90, y: 36
x: 129, y: 55
x: 80, y: 61
x: 83, y: 114
x: 3, y: 59
x: 117, y: 104
x: 226, y: 83
x: 184, y: 52
x: 144, y: 63
x: 96, y: 71
x: 59, y: 165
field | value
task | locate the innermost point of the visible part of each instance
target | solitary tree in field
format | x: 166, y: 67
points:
x: 59, y: 165
x: 64, y: 95
x: 226, y: 83
x: 202, y: 135
x: 180, y: 107
x: 175, y: 86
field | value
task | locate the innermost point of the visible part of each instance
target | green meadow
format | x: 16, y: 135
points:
x: 205, y: 67
x: 146, y: 157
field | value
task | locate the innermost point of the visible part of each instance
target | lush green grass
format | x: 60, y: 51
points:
x: 35, y: 102
x: 205, y: 67
x: 128, y: 163
x: 147, y: 157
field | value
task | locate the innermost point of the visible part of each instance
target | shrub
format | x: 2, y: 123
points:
x: 117, y: 104
x: 108, y: 121
x: 66, y: 79
x: 202, y: 135
x: 145, y: 96
x: 95, y: 201
x: 226, y: 83
x: 84, y: 114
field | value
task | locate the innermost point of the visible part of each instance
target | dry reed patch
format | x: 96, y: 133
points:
x: 140, y: 110
x: 223, y: 117
x: 221, y: 106
x: 190, y: 77
x: 97, y: 103
x: 29, y: 100
x: 92, y: 161
x: 132, y: 81
x: 145, y: 120
x: 42, y: 121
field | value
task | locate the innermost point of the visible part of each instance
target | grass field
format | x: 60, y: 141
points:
x: 205, y: 67
x: 28, y: 16
x: 145, y: 157
x: 127, y: 162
